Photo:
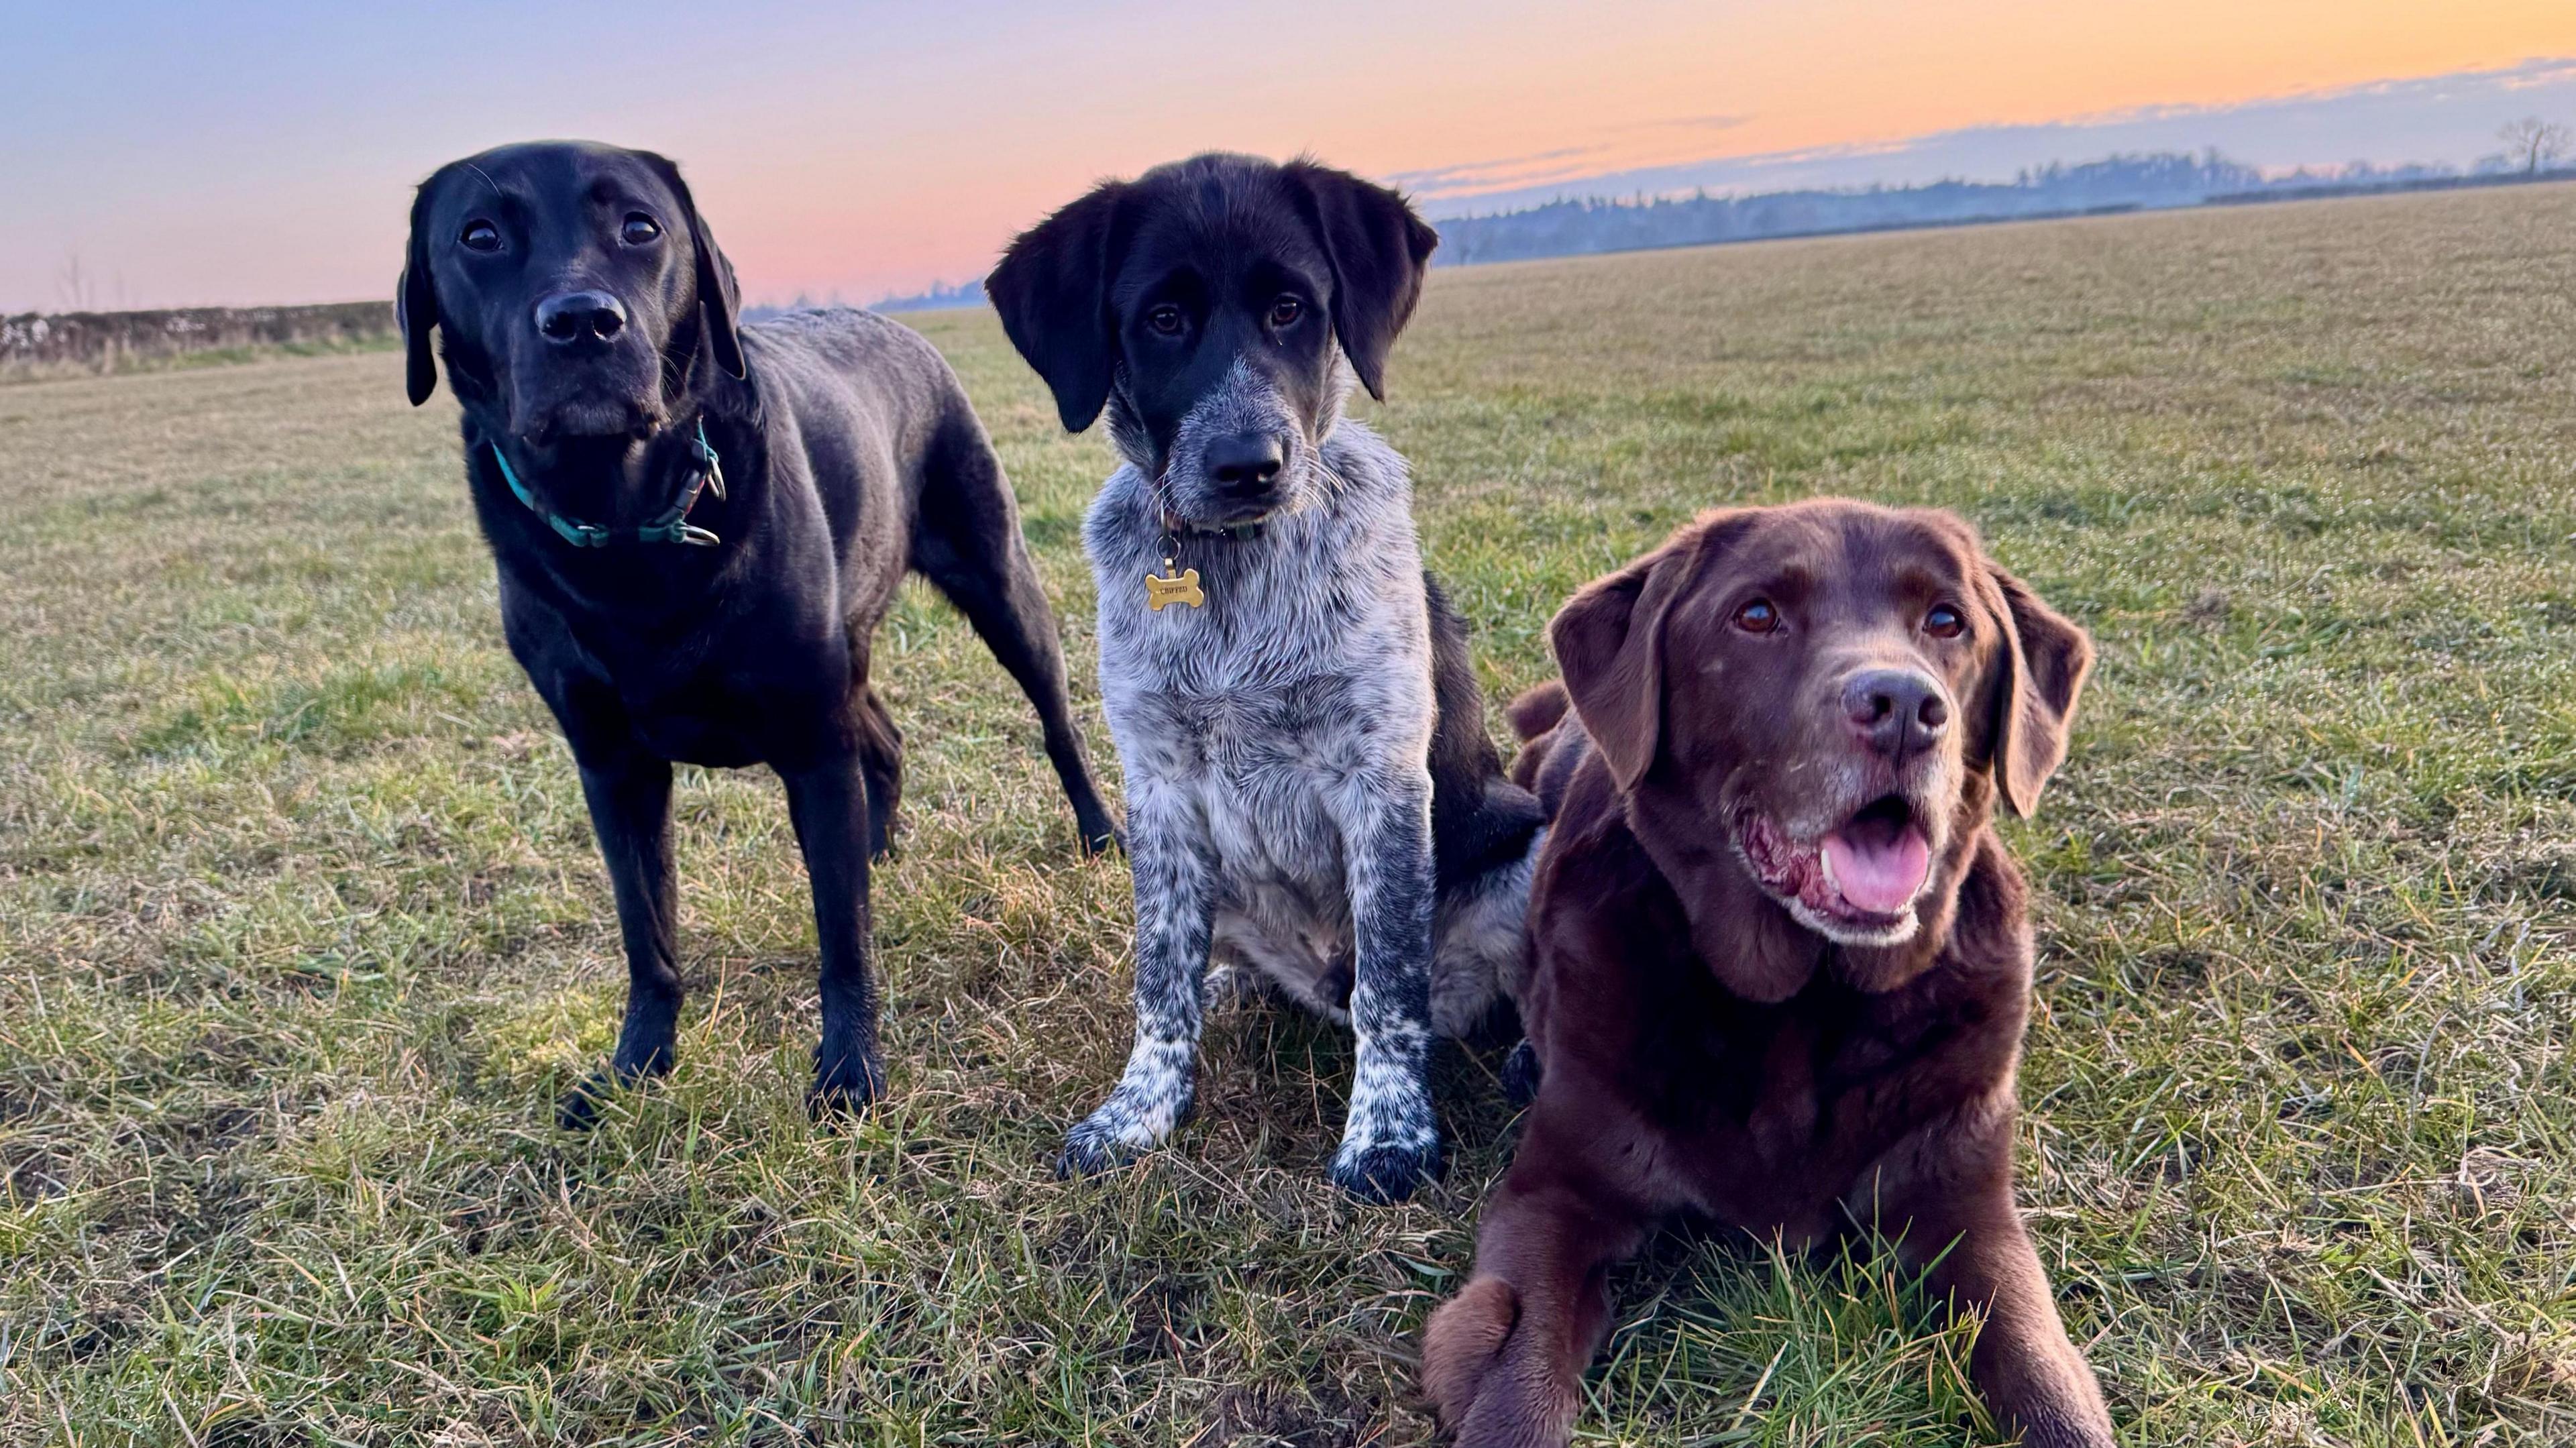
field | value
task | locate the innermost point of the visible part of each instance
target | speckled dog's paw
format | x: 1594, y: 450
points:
x: 1387, y: 1172
x: 1122, y: 1130
x: 1099, y: 1143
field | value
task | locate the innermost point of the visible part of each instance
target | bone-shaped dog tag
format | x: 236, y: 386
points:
x: 1167, y: 589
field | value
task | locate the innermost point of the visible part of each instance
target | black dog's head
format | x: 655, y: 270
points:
x: 1202, y: 304
x: 574, y: 288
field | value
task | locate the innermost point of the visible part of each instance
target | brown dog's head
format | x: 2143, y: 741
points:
x: 1841, y: 689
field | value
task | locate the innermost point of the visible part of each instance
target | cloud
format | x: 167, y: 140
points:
x: 1694, y: 123
x: 1532, y: 169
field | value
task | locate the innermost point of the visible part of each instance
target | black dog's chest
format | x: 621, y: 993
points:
x: 737, y: 708
x: 723, y: 696
x: 711, y: 738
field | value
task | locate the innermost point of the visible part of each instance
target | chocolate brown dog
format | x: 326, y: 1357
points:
x: 1780, y: 961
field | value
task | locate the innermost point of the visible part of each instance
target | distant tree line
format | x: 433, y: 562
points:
x: 2114, y: 183
x: 44, y: 344
x: 936, y: 296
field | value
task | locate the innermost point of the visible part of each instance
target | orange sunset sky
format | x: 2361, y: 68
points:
x: 181, y: 156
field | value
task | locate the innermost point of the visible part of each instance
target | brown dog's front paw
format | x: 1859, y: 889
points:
x: 1461, y: 1342
x: 2055, y: 1432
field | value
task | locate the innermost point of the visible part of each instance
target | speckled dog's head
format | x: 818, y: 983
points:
x: 1208, y: 306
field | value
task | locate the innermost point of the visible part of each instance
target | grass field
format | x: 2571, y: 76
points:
x: 303, y: 930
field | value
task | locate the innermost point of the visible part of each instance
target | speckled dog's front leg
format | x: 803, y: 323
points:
x: 1174, y: 881
x: 1391, y: 1144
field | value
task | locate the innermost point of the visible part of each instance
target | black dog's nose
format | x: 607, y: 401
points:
x: 1245, y: 463
x: 1896, y: 711
x: 569, y: 317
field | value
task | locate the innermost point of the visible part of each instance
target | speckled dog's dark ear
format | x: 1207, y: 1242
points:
x: 1378, y: 249
x: 1052, y: 289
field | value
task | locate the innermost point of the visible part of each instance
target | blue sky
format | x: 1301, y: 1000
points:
x: 195, y: 153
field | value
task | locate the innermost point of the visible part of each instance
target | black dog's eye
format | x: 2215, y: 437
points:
x: 1944, y: 622
x: 1757, y: 616
x: 1285, y: 311
x: 640, y: 228
x: 480, y: 235
x: 1165, y: 319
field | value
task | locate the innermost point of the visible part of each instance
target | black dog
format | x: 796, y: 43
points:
x: 698, y: 528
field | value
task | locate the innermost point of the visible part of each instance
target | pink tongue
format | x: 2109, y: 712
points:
x: 1881, y: 876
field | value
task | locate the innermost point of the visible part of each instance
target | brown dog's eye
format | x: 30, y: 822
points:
x: 1757, y: 616
x: 480, y: 235
x: 639, y: 228
x: 1286, y: 311
x: 1165, y: 319
x: 1944, y: 622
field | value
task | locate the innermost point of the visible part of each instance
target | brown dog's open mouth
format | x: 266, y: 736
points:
x: 1858, y: 880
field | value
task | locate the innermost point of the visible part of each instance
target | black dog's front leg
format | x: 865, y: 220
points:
x: 828, y: 802
x: 629, y: 793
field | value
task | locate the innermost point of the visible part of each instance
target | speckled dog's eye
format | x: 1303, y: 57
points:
x: 1944, y: 622
x: 1165, y: 319
x: 1757, y: 616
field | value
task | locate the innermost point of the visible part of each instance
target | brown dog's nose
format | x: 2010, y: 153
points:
x: 1896, y: 711
x: 569, y: 317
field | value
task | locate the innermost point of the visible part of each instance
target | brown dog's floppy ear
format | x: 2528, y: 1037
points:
x: 1378, y: 249
x: 2047, y: 657
x: 1052, y: 289
x: 416, y: 303
x: 719, y: 296
x: 1609, y: 642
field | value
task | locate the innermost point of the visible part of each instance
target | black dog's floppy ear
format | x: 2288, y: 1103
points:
x: 2046, y: 657
x: 1378, y: 249
x: 416, y: 303
x: 1609, y: 642
x: 719, y: 297
x: 1052, y: 289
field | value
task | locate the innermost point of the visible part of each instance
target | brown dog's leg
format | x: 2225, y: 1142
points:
x: 1960, y: 1198
x: 1503, y: 1361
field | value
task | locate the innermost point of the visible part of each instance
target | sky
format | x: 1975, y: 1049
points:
x: 159, y: 154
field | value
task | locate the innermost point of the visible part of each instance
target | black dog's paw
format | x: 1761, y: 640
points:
x: 1521, y: 1075
x: 1100, y: 837
x: 847, y: 1087
x: 580, y: 1107
x: 1386, y: 1174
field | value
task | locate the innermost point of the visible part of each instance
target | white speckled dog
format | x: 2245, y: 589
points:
x: 1310, y: 791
